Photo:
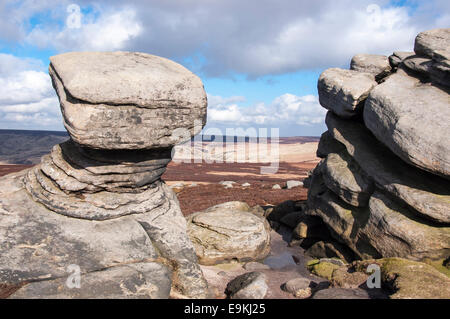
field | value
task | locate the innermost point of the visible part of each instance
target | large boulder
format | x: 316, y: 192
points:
x: 114, y: 100
x: 375, y: 64
x: 407, y: 279
x: 97, y: 202
x: 344, y: 91
x: 223, y: 233
x: 395, y: 113
x: 434, y: 44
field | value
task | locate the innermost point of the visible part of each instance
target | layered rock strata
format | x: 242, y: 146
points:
x: 97, y: 202
x: 383, y: 185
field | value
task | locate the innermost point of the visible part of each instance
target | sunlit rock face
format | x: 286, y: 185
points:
x: 97, y: 201
x: 383, y: 185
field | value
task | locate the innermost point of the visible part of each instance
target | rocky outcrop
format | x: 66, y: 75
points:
x: 383, y: 185
x: 227, y: 232
x: 97, y: 202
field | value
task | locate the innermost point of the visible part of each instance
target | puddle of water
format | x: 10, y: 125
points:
x: 280, y: 261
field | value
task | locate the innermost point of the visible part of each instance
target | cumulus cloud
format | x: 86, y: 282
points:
x: 288, y: 112
x: 27, y: 98
x: 254, y: 38
x: 273, y: 37
x: 111, y: 30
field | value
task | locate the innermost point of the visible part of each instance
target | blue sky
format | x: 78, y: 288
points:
x: 259, y: 60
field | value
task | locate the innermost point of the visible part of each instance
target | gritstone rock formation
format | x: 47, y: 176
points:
x: 98, y: 201
x: 229, y: 231
x: 383, y: 186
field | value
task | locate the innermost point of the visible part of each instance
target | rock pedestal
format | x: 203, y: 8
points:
x: 383, y: 186
x: 97, y: 202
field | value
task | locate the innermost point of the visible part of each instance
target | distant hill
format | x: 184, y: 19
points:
x: 27, y: 147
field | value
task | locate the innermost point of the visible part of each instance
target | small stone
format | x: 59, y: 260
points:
x: 251, y: 285
x: 246, y: 185
x: 292, y: 184
x: 344, y: 279
x: 375, y: 64
x: 276, y: 186
x: 227, y: 183
x: 299, y: 287
x: 177, y: 185
x: 323, y: 269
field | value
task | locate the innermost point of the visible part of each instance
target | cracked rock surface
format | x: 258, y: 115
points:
x: 97, y: 201
x: 383, y: 186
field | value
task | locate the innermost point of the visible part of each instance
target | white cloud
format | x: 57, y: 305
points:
x: 285, y: 110
x: 110, y: 31
x: 252, y: 37
x: 27, y: 99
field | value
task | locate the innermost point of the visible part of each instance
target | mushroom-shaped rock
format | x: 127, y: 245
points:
x: 127, y: 100
x: 98, y: 201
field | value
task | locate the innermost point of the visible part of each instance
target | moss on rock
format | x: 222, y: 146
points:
x: 407, y: 279
x: 323, y: 269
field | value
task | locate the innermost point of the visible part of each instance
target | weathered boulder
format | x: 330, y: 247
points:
x: 300, y: 287
x: 375, y: 64
x: 251, y: 285
x: 344, y: 279
x: 407, y: 279
x: 323, y: 269
x: 97, y: 201
x: 394, y: 112
x: 427, y: 194
x: 434, y: 44
x: 222, y: 233
x: 344, y: 91
x: 113, y: 100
